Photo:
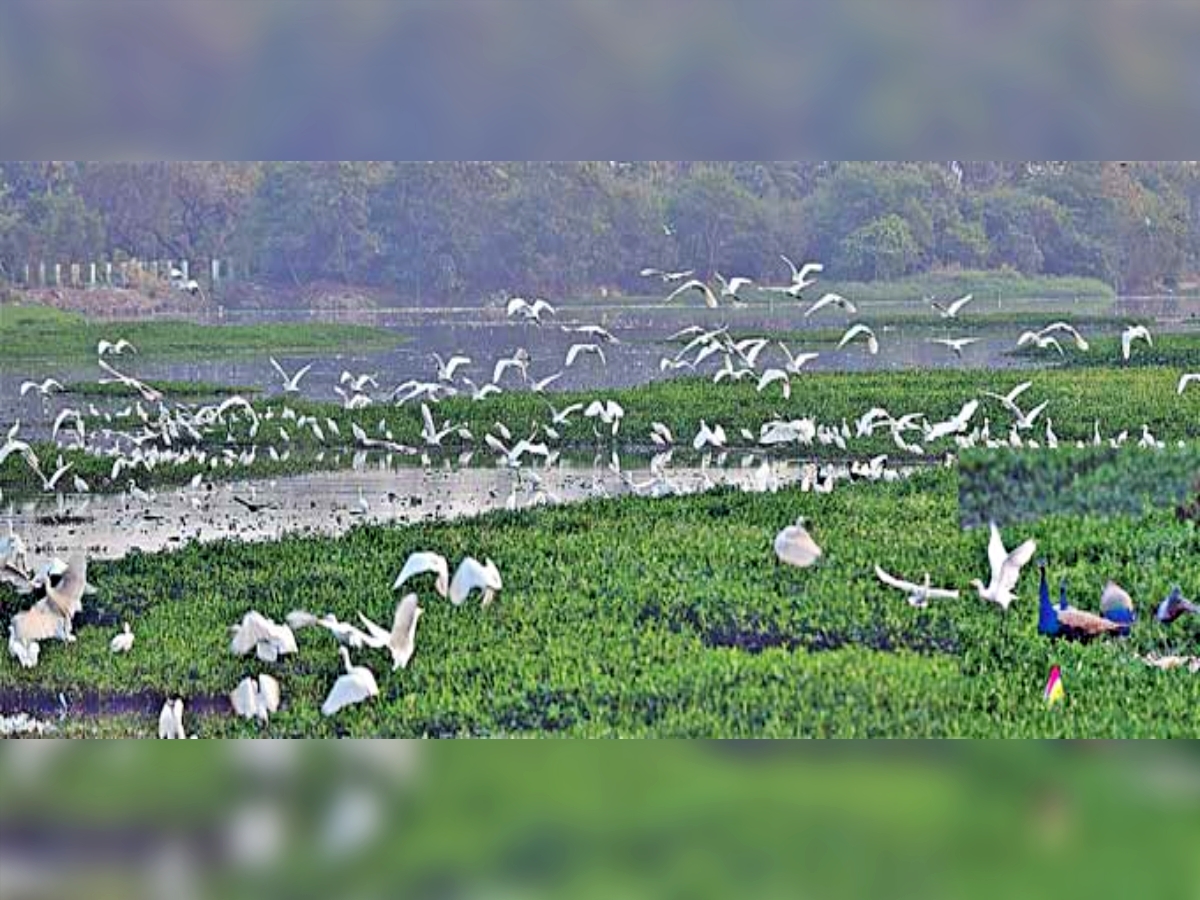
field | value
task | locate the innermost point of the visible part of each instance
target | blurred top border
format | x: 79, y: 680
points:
x: 691, y: 79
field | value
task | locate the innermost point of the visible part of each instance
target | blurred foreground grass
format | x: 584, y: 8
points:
x: 383, y: 819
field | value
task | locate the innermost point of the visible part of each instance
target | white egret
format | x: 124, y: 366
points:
x: 796, y: 547
x: 955, y: 344
x: 771, y: 376
x: 1185, y: 380
x: 530, y: 311
x: 919, y: 595
x: 170, y: 721
x: 708, y: 437
x: 800, y: 276
x: 695, y: 284
x: 1006, y: 569
x: 356, y: 685
x: 1042, y: 342
x: 256, y: 699
x: 123, y: 642
x: 951, y: 310
x: 831, y: 299
x: 151, y: 395
x: 291, y: 384
x: 730, y: 287
x: 420, y: 562
x: 45, y: 388
x: 860, y: 329
x: 797, y: 361
x: 667, y: 277
x: 472, y: 575
x: 1131, y: 334
x: 576, y: 349
x: 116, y: 349
x: 401, y: 640
x: 269, y: 640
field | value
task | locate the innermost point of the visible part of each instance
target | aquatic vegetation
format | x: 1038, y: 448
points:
x: 657, y: 617
x: 47, y: 336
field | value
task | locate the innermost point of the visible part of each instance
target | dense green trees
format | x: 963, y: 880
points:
x: 442, y: 232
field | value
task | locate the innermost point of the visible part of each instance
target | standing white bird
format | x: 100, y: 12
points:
x: 831, y: 299
x: 472, y: 575
x: 1131, y: 334
x: 355, y: 686
x: 420, y: 562
x: 860, y: 329
x: 256, y: 699
x: 123, y: 642
x: 695, y: 284
x: 1006, y: 569
x: 291, y: 384
x: 950, y: 311
x: 170, y: 721
x: 1185, y: 380
x: 795, y: 546
x: 919, y: 595
x: 401, y: 640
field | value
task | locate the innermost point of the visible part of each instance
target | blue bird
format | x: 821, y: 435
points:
x: 1067, y: 621
x: 1047, y: 617
x: 1175, y: 606
x: 1117, y: 606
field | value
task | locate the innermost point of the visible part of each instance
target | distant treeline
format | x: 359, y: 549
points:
x: 452, y: 230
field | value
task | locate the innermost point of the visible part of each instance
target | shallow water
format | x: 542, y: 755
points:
x: 328, y: 503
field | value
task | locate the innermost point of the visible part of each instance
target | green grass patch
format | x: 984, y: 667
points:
x: 170, y: 389
x: 46, y: 335
x: 636, y: 617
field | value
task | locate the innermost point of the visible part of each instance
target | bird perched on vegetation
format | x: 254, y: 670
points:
x: 1175, y: 606
x: 1006, y: 569
x: 795, y: 546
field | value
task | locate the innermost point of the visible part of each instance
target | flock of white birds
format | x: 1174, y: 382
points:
x: 150, y: 433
